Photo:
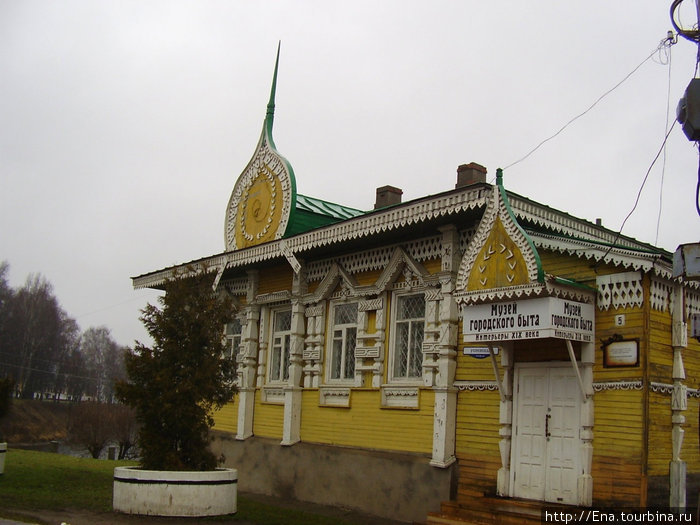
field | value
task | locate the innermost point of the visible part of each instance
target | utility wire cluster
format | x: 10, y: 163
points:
x: 694, y: 36
x: 689, y: 34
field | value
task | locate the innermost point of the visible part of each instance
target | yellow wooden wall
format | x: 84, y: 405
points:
x: 477, y: 441
x: 618, y: 448
x: 275, y: 279
x: 268, y: 418
x: 226, y: 419
x: 366, y: 424
x: 661, y: 371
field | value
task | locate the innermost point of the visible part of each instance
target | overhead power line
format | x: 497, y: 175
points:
x: 666, y: 42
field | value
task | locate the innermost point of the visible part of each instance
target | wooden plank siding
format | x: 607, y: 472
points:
x: 476, y: 444
x: 366, y: 424
x: 268, y: 420
x: 618, y: 448
x: 471, y: 368
x: 226, y: 418
x: 573, y: 268
x: 276, y: 279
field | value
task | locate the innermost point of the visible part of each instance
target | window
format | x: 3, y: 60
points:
x: 409, y: 324
x: 344, y: 340
x: 233, y: 339
x: 281, y: 340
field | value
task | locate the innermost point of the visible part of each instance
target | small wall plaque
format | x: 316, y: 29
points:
x: 621, y: 353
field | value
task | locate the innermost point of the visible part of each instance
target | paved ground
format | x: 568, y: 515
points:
x: 78, y: 517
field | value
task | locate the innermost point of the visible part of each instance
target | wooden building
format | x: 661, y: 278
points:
x: 469, y: 346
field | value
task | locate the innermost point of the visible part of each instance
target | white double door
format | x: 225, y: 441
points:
x: 545, y: 452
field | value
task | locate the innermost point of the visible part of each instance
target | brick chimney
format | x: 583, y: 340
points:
x: 387, y: 196
x: 468, y: 174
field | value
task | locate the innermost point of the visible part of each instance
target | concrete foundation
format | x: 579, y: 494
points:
x: 399, y: 486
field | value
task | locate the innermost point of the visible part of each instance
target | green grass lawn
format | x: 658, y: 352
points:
x: 45, y: 481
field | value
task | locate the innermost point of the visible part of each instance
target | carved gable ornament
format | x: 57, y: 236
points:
x: 264, y: 195
x: 501, y: 260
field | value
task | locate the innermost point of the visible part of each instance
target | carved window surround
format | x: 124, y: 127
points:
x: 273, y: 394
x: 431, y: 337
x: 400, y: 396
x: 334, y: 396
x: 313, y: 344
x: 370, y: 346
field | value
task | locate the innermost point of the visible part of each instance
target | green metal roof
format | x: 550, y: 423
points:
x: 310, y: 213
x: 337, y: 211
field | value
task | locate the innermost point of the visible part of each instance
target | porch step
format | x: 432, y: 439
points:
x: 489, y: 510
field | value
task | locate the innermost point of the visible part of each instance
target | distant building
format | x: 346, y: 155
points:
x: 435, y: 355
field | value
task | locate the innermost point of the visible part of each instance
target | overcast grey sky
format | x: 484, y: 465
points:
x: 124, y: 124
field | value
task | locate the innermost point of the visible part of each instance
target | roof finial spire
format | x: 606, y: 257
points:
x: 271, y: 104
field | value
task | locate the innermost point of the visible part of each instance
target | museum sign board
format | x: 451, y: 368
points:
x: 529, y: 319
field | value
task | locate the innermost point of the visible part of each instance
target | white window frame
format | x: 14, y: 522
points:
x: 330, y: 340
x: 233, y: 340
x: 393, y: 353
x: 282, y: 340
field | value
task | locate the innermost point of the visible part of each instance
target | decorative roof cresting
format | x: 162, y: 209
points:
x: 501, y: 254
x: 264, y: 196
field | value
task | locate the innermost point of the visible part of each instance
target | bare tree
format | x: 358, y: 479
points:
x: 104, y: 360
x: 34, y: 330
x: 42, y: 349
x: 91, y: 426
x: 95, y: 425
x: 125, y: 429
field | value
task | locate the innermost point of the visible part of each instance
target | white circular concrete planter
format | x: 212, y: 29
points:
x: 3, y: 453
x: 177, y: 493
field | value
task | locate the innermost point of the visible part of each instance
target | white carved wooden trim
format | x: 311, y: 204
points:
x: 274, y: 297
x: 370, y: 346
x: 661, y: 388
x: 692, y: 301
x: 549, y: 288
x: 238, y: 286
x: 589, y: 249
x: 495, y: 210
x: 476, y: 386
x: 314, y: 343
x: 336, y: 274
x: 441, y: 205
x: 618, y: 385
x: 315, y: 311
x: 367, y: 305
x: 334, y: 396
x: 465, y: 237
x: 400, y: 396
x: 661, y: 294
x: 431, y: 336
x: 265, y: 155
x: 400, y: 261
x: 562, y: 222
x: 272, y: 394
x: 620, y: 290
x: 263, y: 344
